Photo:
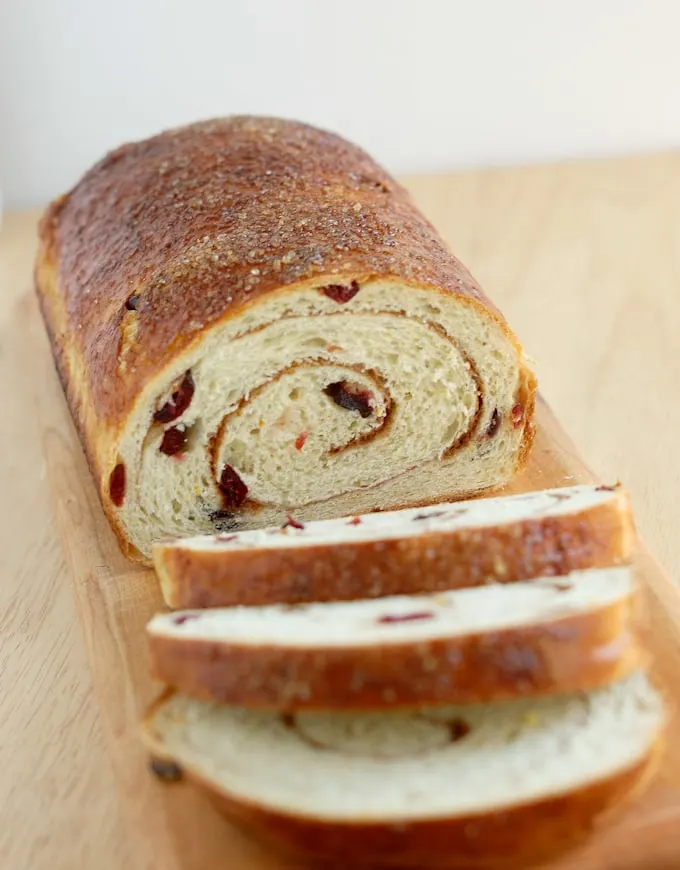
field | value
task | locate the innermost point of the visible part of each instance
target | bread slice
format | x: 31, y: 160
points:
x: 460, y: 786
x: 500, y: 641
x: 402, y: 552
x: 249, y: 316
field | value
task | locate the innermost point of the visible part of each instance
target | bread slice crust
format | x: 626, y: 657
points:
x: 565, y: 648
x: 433, y: 561
x: 513, y: 837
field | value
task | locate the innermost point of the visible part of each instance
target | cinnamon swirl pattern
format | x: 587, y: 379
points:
x: 251, y: 318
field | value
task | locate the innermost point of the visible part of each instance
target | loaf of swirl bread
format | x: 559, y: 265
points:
x: 249, y: 316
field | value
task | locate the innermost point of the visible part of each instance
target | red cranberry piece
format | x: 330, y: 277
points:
x: 117, y: 485
x: 458, y: 728
x: 341, y: 292
x: 494, y: 424
x: 184, y: 617
x: 406, y: 617
x: 234, y: 490
x: 350, y: 397
x: 178, y: 402
x: 174, y: 441
x: 428, y: 516
x: 300, y: 440
x: 292, y: 523
x: 517, y: 415
x: 355, y: 521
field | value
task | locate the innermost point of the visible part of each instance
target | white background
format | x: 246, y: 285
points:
x: 422, y: 84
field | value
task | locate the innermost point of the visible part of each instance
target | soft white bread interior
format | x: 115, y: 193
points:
x: 399, y: 396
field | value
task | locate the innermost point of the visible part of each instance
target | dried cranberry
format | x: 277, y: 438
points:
x: 174, y: 441
x: 131, y: 303
x: 234, y: 490
x: 300, y: 440
x: 178, y: 402
x: 168, y: 771
x: 181, y: 618
x: 355, y: 521
x: 292, y: 523
x: 458, y: 728
x: 517, y: 415
x: 405, y: 617
x: 341, y: 292
x: 604, y: 488
x: 117, y: 485
x: 350, y: 397
x: 494, y: 424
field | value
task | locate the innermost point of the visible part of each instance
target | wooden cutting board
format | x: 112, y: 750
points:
x: 173, y: 828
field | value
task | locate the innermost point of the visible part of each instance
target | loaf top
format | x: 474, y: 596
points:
x: 166, y: 237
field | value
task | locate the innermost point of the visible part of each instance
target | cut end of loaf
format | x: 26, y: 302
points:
x: 323, y: 415
x: 299, y: 440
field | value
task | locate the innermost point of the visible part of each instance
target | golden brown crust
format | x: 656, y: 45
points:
x: 199, y: 221
x: 431, y: 562
x: 574, y: 652
x: 514, y: 838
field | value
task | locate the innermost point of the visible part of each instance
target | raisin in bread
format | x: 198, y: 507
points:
x: 500, y: 641
x: 249, y: 316
x: 402, y: 552
x: 460, y: 786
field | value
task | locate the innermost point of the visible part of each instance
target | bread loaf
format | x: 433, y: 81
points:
x: 547, y: 636
x: 250, y: 317
x: 403, y: 552
x: 460, y: 787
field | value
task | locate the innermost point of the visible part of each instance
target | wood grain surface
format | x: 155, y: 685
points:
x: 585, y: 261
